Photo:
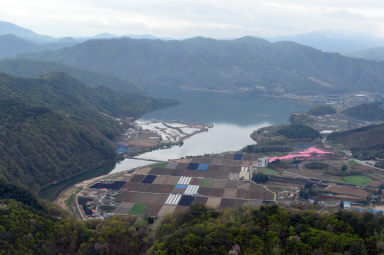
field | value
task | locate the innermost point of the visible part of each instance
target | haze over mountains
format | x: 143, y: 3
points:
x: 334, y: 41
x: 247, y: 63
x: 15, y: 40
x: 203, y: 63
x: 9, y: 28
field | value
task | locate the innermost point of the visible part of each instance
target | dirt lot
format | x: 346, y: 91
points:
x: 143, y: 143
x: 347, y: 190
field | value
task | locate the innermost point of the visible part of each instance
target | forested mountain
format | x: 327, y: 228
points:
x: 54, y: 127
x: 29, y: 68
x: 223, y: 64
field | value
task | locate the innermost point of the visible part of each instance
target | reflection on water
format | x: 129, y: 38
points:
x: 225, y: 108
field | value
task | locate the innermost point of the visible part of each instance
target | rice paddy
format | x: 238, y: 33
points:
x: 206, y: 183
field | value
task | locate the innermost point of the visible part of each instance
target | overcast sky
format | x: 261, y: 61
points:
x: 187, y: 18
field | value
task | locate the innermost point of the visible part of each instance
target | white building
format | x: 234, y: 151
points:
x: 245, y: 173
x: 262, y: 162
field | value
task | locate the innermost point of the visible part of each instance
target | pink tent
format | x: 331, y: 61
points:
x: 301, y: 154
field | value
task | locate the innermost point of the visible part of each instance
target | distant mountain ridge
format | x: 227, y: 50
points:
x: 11, y: 45
x: 334, y: 41
x: 245, y: 63
x: 9, y: 28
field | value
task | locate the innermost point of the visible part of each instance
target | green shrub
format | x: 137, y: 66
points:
x: 317, y: 165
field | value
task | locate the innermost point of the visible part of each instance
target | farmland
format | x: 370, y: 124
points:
x: 357, y: 180
x: 173, y: 186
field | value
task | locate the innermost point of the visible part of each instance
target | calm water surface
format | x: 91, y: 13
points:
x: 222, y: 137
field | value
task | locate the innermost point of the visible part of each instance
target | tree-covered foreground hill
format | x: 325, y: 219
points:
x: 42, y: 229
x: 54, y: 127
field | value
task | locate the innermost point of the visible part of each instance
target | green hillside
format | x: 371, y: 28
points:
x: 30, y: 68
x: 262, y: 230
x: 367, y: 112
x: 54, y: 127
x: 223, y: 64
x: 365, y: 143
x: 319, y: 110
x: 299, y: 131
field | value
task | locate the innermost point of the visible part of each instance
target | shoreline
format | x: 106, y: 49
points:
x: 65, y: 194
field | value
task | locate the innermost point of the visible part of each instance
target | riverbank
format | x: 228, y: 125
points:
x: 52, y: 191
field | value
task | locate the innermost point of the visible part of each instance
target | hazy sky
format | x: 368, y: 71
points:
x: 187, y: 18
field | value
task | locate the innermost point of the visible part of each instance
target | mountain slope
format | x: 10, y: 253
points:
x: 54, y: 127
x: 223, y: 64
x: 29, y: 68
x: 368, y: 112
x: 365, y: 143
x: 41, y: 146
x: 11, y: 45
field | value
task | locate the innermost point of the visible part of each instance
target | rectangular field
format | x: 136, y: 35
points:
x: 137, y: 209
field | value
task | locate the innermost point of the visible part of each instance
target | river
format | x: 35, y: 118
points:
x: 234, y: 118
